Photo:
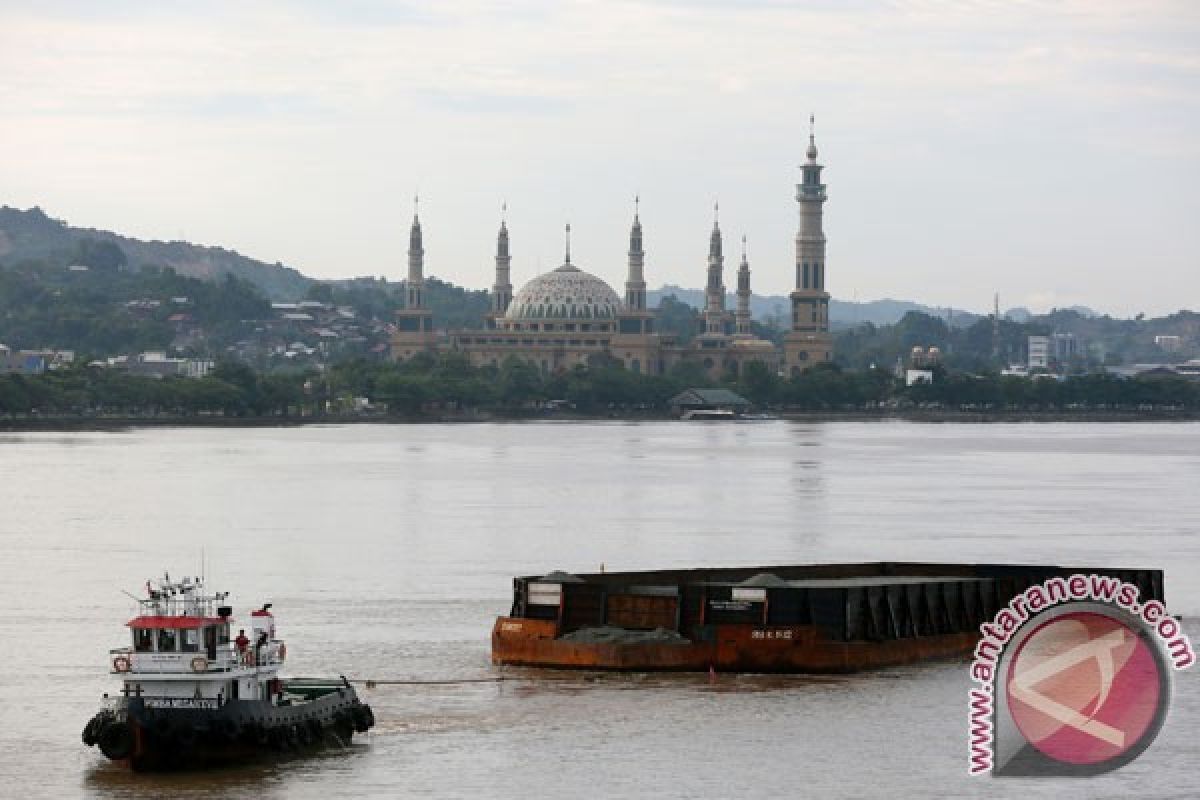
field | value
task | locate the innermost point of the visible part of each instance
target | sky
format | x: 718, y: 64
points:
x: 1047, y: 151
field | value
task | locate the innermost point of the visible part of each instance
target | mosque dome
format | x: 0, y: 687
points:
x: 565, y: 293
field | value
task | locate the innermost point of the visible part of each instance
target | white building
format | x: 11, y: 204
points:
x: 1170, y: 344
x: 1039, y: 352
x: 912, y: 376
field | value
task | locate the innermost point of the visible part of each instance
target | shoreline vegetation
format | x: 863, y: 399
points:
x: 447, y: 388
x: 37, y: 424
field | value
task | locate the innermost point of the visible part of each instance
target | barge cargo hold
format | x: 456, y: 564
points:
x: 819, y: 618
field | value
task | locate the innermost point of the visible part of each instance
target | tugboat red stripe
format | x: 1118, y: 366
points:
x: 178, y: 623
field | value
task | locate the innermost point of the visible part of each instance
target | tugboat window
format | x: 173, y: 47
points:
x: 143, y: 640
x: 191, y: 641
x: 167, y: 640
x: 210, y: 641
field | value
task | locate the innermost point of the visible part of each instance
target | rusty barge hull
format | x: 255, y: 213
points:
x: 826, y: 618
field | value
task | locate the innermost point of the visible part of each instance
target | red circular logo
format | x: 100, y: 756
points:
x: 1084, y: 688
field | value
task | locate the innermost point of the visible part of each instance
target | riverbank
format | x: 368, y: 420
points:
x: 65, y: 424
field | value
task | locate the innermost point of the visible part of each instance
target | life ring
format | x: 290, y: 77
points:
x: 282, y: 651
x: 121, y: 664
x: 199, y: 664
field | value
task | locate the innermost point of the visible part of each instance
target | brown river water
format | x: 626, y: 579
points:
x: 388, y: 551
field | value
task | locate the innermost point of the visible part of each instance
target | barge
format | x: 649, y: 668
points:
x: 191, y: 695
x: 818, y: 618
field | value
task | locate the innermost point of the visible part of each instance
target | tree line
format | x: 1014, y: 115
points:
x: 430, y: 384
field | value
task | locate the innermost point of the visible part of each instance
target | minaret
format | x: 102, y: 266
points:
x: 414, y: 322
x: 502, y: 289
x: 635, y: 283
x: 714, y: 292
x: 809, y: 342
x: 415, y: 297
x: 742, y: 315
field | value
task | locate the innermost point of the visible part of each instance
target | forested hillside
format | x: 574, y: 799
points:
x: 33, y: 236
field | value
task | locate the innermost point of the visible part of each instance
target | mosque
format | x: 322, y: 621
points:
x: 567, y: 317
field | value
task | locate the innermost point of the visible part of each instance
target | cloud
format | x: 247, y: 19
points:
x: 983, y: 128
x: 492, y: 103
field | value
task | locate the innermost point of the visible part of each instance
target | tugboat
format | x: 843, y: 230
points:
x: 192, y: 695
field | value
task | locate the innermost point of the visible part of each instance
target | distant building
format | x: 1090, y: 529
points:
x: 912, y: 376
x: 568, y: 317
x: 23, y: 362
x: 198, y: 367
x: 708, y: 400
x: 1063, y: 347
x: 1188, y: 369
x: 1170, y: 344
x: 157, y: 364
x: 922, y: 359
x: 1039, y: 352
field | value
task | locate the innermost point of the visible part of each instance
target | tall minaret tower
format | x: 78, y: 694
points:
x: 415, y: 297
x: 502, y: 289
x: 635, y: 324
x: 414, y: 322
x: 742, y: 315
x: 635, y: 282
x: 808, y: 342
x: 714, y: 292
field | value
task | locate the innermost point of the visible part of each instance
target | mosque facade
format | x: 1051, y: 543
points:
x: 568, y: 317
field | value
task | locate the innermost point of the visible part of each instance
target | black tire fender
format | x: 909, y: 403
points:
x: 116, y: 740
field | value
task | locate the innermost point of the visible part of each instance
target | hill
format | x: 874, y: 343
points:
x: 842, y: 313
x: 34, y: 236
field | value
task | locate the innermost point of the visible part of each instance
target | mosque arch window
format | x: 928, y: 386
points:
x: 802, y: 355
x: 805, y: 274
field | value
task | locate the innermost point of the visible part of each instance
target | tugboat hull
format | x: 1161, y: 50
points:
x: 155, y: 739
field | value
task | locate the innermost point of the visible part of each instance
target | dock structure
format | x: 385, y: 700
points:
x: 797, y: 618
